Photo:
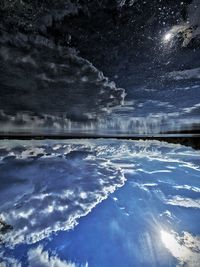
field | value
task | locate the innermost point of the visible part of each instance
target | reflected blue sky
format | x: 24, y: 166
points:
x: 136, y: 204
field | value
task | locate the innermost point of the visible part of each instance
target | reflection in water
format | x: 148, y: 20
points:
x: 98, y: 203
x: 186, y: 249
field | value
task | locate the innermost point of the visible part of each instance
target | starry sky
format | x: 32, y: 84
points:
x: 103, y: 67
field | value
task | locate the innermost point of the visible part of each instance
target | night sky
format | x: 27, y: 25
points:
x: 100, y: 67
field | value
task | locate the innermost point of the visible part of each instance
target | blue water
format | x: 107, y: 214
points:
x: 151, y: 220
x: 126, y: 232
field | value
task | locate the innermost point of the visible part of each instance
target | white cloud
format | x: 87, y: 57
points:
x: 185, y: 74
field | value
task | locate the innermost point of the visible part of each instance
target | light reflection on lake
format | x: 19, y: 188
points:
x: 186, y: 249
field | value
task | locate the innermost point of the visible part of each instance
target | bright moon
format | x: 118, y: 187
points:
x: 167, y: 37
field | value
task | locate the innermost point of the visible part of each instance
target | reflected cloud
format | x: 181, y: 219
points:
x: 58, y: 188
x: 187, y: 187
x: 60, y: 182
x: 38, y: 257
x: 184, y: 202
x: 8, y: 261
